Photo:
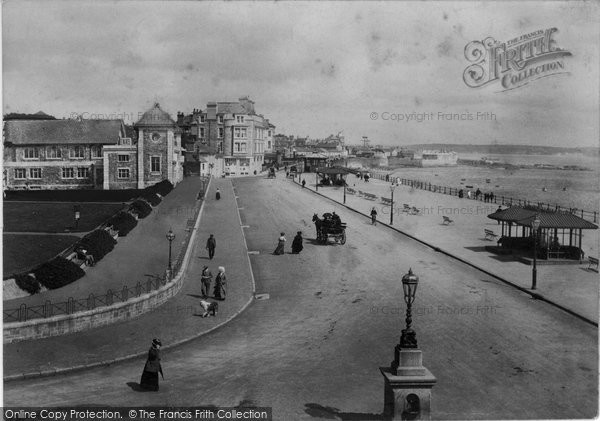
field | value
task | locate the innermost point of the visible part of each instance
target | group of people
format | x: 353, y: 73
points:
x: 296, y: 244
x: 364, y: 176
x: 487, y: 197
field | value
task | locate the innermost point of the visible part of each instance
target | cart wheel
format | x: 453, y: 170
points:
x: 343, y: 239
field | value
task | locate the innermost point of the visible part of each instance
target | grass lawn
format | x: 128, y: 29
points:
x: 54, y: 217
x: 23, y: 252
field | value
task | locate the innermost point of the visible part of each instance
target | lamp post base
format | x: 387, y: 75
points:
x: 407, y: 397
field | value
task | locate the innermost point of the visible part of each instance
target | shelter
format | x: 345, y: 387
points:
x: 559, y: 234
x: 332, y: 175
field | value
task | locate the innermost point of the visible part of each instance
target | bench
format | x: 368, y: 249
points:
x: 350, y: 190
x: 370, y: 196
x: 360, y: 193
x: 386, y: 201
x: 490, y: 235
x: 406, y: 208
x: 447, y: 221
x: 415, y: 211
x: 592, y: 261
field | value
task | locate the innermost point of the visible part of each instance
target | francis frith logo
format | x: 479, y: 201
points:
x: 516, y: 62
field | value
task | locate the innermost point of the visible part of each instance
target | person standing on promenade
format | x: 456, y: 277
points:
x: 303, y: 183
x: 205, y: 280
x: 297, y: 243
x: 220, y: 284
x: 218, y: 194
x: 211, y: 245
x: 373, y: 216
x: 280, y: 244
x: 149, y: 379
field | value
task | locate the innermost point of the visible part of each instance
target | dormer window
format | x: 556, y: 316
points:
x: 239, y: 118
x: 202, y: 118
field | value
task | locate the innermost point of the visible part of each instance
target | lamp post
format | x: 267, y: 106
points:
x: 344, y: 180
x: 408, y: 338
x: 170, y: 237
x: 535, y: 225
x: 392, y: 187
x: 77, y: 214
x: 317, y: 178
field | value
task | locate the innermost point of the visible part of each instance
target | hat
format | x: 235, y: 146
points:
x: 221, y: 269
x: 299, y: 232
x: 156, y: 342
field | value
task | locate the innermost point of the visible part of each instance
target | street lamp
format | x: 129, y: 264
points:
x: 170, y: 237
x: 344, y: 180
x: 408, y: 339
x: 392, y: 187
x: 535, y: 225
x: 77, y: 214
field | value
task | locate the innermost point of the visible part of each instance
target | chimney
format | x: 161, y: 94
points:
x: 211, y: 111
x: 248, y: 104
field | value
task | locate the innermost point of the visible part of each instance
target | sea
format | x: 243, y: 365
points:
x: 567, y: 188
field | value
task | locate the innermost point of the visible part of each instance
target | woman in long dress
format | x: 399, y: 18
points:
x: 152, y: 368
x: 297, y: 243
x: 280, y: 244
x: 220, y: 284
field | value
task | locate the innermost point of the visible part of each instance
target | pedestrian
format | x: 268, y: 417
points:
x: 499, y: 210
x: 211, y: 245
x: 468, y: 194
x: 205, y: 279
x: 210, y: 308
x: 303, y: 183
x: 218, y: 194
x: 460, y: 193
x: 149, y: 379
x: 373, y: 216
x: 220, y: 284
x: 280, y: 244
x: 297, y: 243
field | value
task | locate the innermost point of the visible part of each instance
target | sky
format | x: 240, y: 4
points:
x: 312, y: 68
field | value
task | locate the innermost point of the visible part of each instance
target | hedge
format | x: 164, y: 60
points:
x: 58, y: 272
x: 163, y: 188
x: 123, y: 222
x: 141, y: 207
x: 28, y: 283
x: 97, y: 243
x: 152, y: 198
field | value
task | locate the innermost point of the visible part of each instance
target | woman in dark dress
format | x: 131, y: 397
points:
x: 297, y: 243
x: 152, y: 368
x: 218, y: 194
x: 220, y: 284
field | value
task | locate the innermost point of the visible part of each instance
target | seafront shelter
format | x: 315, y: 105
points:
x: 332, y: 176
x: 558, y: 237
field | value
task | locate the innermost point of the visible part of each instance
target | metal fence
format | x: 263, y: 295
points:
x: 72, y: 305
x: 500, y: 200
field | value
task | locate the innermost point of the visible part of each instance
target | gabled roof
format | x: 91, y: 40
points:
x: 46, y: 132
x: 156, y: 117
x: 525, y: 216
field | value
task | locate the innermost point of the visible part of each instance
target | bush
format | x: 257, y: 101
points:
x: 97, y: 243
x: 58, y: 272
x: 28, y: 283
x: 123, y: 222
x: 163, y: 188
x: 141, y: 208
x: 152, y: 198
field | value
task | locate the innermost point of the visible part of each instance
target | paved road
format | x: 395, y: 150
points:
x: 334, y: 315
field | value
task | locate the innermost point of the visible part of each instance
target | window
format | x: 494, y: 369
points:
x: 270, y: 133
x: 220, y: 147
x: 230, y: 161
x: 122, y: 172
x: 221, y: 119
x: 123, y: 158
x: 155, y: 163
x: 239, y: 118
x: 53, y: 152
x: 35, y: 173
x: 31, y: 153
x: 68, y: 173
x: 97, y: 151
x: 78, y: 152
x: 83, y: 172
x: 20, y: 173
x: 125, y: 141
x: 221, y: 132
x: 201, y: 132
x: 240, y: 132
x: 240, y: 147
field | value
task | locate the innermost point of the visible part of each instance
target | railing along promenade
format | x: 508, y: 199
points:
x: 500, y: 200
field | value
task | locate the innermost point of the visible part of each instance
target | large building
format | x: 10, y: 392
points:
x: 229, y: 138
x: 91, y: 154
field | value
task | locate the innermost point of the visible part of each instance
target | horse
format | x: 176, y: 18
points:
x: 318, y: 224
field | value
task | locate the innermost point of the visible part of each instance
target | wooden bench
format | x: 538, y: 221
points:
x: 447, y: 221
x: 490, y: 235
x: 360, y: 193
x: 386, y: 201
x: 415, y: 211
x: 370, y: 196
x: 592, y: 262
x: 406, y: 208
x: 350, y: 190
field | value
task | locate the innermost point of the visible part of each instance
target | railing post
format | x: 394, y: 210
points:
x: 124, y: 293
x: 109, y: 297
x: 595, y: 216
x: 70, y: 305
x: 149, y: 285
x: 91, y: 302
x: 47, y: 309
x: 138, y: 289
x: 23, y: 312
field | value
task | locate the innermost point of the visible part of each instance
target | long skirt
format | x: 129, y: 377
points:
x: 149, y: 380
x: 220, y: 291
x: 279, y: 249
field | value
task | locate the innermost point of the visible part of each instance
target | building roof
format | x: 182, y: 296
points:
x: 230, y: 108
x: 156, y: 117
x: 333, y: 170
x: 45, y: 132
x: 525, y: 216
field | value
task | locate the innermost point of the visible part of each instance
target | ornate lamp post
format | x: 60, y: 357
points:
x: 170, y: 237
x: 344, y: 176
x: 535, y: 225
x: 392, y: 187
x: 408, y: 338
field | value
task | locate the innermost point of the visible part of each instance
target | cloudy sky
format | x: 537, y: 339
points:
x: 313, y: 68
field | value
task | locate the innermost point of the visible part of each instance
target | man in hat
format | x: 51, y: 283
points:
x: 211, y: 245
x: 205, y: 280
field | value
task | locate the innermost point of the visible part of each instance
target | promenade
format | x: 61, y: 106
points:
x: 144, y: 251
x: 571, y: 286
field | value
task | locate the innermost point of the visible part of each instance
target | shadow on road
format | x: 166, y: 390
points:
x: 328, y: 412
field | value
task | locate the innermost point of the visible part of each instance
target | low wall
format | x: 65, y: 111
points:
x: 102, y: 316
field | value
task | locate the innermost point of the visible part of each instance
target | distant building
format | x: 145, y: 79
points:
x: 438, y: 158
x: 91, y: 154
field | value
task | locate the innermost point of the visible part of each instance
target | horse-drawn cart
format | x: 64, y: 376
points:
x: 330, y: 227
x: 271, y: 173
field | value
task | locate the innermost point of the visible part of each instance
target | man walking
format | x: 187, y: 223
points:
x: 373, y: 216
x: 205, y: 279
x: 211, y: 244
